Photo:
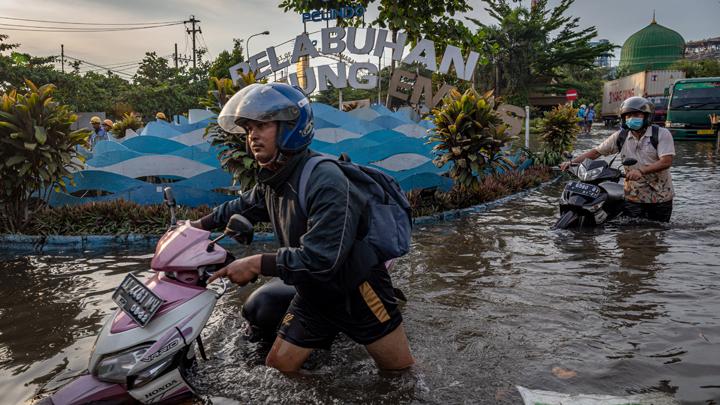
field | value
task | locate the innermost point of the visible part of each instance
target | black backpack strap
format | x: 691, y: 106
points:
x: 305, y: 177
x: 654, y: 138
x: 622, y: 137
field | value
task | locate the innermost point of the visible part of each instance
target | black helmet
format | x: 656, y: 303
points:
x: 637, y: 104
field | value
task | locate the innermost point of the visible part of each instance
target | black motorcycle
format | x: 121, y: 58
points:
x: 597, y: 198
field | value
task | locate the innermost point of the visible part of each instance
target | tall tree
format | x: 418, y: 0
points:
x: 534, y: 44
x: 220, y: 67
x: 698, y: 68
x: 417, y: 18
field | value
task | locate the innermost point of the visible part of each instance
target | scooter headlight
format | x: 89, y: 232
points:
x: 585, y: 174
x: 115, y: 368
x: 149, y: 374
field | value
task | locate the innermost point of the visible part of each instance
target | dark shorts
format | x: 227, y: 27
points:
x: 653, y: 211
x: 368, y: 314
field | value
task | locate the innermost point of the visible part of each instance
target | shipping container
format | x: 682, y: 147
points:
x: 653, y: 84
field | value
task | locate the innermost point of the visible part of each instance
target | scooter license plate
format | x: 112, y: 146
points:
x: 136, y: 300
x: 585, y: 189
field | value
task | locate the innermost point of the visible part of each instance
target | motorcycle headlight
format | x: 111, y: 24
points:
x: 585, y: 174
x: 149, y: 374
x: 115, y: 368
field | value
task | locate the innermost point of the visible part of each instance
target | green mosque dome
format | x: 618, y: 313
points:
x: 652, y: 48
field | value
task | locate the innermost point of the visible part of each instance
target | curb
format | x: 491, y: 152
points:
x: 16, y: 242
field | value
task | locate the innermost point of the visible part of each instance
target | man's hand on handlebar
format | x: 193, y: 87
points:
x: 565, y: 165
x: 633, y: 174
x: 241, y: 271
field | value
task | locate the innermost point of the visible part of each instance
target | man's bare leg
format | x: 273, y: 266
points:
x: 286, y: 357
x: 392, y: 352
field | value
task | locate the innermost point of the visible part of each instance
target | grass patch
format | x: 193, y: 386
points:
x: 490, y: 188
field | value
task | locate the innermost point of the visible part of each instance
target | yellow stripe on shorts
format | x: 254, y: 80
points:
x: 373, y: 302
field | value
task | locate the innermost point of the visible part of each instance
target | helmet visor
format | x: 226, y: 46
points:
x: 256, y: 102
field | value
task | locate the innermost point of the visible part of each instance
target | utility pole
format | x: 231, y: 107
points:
x: 62, y: 57
x: 175, y: 56
x: 193, y: 31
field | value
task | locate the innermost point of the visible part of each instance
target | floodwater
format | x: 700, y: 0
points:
x: 496, y: 300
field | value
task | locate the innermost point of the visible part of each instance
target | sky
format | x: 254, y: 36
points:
x: 223, y: 20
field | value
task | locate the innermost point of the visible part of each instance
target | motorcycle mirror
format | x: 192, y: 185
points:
x: 169, y: 197
x: 629, y: 162
x: 240, y: 229
x: 567, y: 155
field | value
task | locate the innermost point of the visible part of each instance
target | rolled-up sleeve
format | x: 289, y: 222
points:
x: 666, y: 145
x: 609, y: 145
x: 333, y: 213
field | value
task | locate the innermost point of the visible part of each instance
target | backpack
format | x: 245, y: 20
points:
x: 389, y: 212
x: 624, y: 134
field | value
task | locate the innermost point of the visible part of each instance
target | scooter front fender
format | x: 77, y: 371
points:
x: 88, y: 389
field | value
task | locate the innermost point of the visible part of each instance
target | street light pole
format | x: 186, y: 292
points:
x: 247, y: 42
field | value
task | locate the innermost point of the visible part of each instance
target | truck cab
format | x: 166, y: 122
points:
x: 661, y: 104
x: 691, y: 103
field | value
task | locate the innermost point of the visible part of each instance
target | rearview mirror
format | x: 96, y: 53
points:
x: 567, y: 155
x: 629, y: 162
x: 169, y: 197
x: 240, y: 229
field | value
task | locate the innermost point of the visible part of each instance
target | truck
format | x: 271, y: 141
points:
x: 651, y: 84
x: 692, y: 101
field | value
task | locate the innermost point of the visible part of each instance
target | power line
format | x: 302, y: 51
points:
x: 85, y: 23
x: 202, y: 37
x: 99, y: 66
x: 10, y: 27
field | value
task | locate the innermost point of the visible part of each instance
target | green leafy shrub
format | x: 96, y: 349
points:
x: 233, y: 154
x: 558, y: 132
x: 38, y: 152
x: 128, y: 121
x: 470, y: 135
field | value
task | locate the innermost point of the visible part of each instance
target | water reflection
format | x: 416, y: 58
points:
x: 41, y: 305
x: 639, y: 244
x: 495, y: 300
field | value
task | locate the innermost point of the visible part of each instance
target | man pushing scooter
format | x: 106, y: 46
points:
x: 325, y: 222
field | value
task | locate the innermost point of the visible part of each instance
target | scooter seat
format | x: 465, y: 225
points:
x: 615, y: 191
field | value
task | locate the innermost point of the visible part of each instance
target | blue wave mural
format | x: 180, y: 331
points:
x: 177, y: 153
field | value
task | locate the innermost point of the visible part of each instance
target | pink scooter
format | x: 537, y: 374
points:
x: 144, y: 350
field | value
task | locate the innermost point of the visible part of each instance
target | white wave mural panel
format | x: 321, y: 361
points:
x: 335, y: 135
x: 191, y: 138
x: 402, y: 161
x: 156, y: 165
x: 412, y: 130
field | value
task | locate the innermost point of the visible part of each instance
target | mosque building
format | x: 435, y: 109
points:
x: 654, y: 47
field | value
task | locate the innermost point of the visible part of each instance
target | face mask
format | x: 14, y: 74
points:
x: 635, y: 123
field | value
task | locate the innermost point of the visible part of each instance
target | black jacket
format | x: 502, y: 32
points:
x: 322, y: 253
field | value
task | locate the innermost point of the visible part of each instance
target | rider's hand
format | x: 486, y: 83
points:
x: 565, y: 165
x: 633, y: 174
x: 195, y: 224
x: 241, y: 271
